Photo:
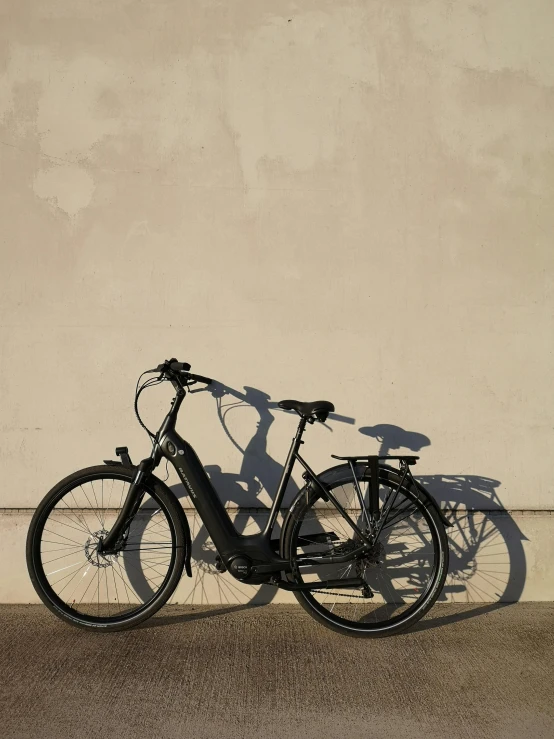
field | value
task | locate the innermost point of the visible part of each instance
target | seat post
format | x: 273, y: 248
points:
x: 285, y: 477
x: 300, y: 430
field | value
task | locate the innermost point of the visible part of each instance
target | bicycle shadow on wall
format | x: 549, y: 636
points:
x: 487, y: 561
x: 245, y: 491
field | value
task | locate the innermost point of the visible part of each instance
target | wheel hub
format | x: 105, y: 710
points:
x: 464, y: 568
x: 98, y: 559
x: 376, y: 555
x: 373, y: 557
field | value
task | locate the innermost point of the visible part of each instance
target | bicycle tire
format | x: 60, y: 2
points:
x: 52, y: 600
x: 305, y: 502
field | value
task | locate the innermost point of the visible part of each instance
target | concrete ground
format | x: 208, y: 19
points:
x: 465, y: 671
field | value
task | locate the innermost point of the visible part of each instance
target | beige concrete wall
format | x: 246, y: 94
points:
x: 312, y: 199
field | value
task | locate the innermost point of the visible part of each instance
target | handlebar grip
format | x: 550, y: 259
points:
x: 200, y: 378
x: 179, y: 366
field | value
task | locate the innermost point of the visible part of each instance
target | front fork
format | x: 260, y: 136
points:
x: 115, y: 539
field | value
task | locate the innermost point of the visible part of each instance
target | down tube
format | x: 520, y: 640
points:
x: 199, y: 487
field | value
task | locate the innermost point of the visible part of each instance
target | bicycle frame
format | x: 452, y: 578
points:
x: 259, y: 549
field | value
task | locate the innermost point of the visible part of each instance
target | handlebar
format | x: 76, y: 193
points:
x: 180, y: 377
x: 200, y: 378
x: 183, y: 369
x: 178, y: 366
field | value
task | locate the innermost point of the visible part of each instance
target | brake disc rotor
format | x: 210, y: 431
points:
x: 91, y: 550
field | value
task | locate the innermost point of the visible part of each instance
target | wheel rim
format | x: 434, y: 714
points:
x: 91, y: 586
x: 400, y: 571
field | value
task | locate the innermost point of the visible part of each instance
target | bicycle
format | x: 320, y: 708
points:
x: 363, y: 546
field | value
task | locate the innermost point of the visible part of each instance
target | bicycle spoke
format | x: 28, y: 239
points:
x: 397, y: 568
x: 55, y: 533
x: 97, y: 585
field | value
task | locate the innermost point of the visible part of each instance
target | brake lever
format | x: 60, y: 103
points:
x: 198, y: 390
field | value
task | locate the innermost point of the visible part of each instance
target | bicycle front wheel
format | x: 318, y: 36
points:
x: 85, y: 587
x: 404, y: 571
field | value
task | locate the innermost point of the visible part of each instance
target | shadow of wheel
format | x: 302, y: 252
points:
x: 487, y: 559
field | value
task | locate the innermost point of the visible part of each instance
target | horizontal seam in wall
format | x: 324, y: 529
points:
x: 260, y: 510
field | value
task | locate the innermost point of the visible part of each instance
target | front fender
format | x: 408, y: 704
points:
x: 184, y: 523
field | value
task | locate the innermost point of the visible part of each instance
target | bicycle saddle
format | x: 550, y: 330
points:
x: 318, y: 408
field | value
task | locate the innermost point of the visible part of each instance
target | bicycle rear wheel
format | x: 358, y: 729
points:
x: 87, y: 588
x: 405, y: 570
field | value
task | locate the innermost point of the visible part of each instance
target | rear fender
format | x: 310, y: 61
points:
x: 424, y: 494
x: 343, y: 471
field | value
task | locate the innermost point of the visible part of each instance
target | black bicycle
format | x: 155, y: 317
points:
x: 363, y: 546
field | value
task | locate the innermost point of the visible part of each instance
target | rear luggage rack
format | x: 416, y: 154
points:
x: 371, y: 457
